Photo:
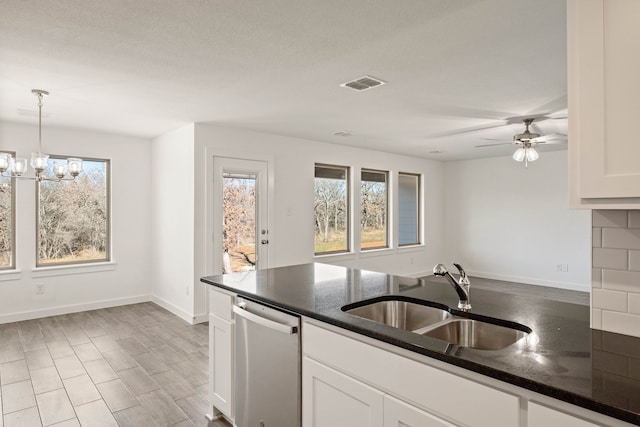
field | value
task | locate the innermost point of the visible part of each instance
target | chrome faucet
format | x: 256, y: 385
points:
x: 461, y: 286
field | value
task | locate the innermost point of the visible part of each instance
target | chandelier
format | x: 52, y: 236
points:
x: 18, y: 167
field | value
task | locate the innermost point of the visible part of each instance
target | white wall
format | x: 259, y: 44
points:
x: 172, y: 221
x: 508, y: 222
x: 71, y: 289
x: 291, y: 234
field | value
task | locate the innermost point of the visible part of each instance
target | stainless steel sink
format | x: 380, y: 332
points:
x: 401, y: 314
x: 476, y: 334
x: 440, y: 323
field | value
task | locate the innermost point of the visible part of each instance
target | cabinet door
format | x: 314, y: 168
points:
x: 541, y: 416
x: 401, y: 414
x: 220, y: 364
x: 604, y: 97
x: 332, y: 399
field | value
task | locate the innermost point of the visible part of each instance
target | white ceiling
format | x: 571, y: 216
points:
x: 145, y: 67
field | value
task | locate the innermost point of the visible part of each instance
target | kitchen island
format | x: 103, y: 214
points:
x: 562, y: 359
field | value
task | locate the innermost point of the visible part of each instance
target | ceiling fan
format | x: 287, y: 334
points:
x: 526, y: 141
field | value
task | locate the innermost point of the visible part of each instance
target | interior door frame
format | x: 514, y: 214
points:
x: 214, y: 263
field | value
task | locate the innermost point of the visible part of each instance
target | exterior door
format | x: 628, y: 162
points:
x: 241, y: 236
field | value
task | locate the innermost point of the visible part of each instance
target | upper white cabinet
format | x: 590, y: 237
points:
x: 604, y: 102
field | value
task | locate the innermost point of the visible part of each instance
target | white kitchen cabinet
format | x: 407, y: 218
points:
x: 400, y: 414
x: 604, y: 103
x: 221, y: 341
x: 430, y: 390
x: 542, y: 416
x: 333, y: 399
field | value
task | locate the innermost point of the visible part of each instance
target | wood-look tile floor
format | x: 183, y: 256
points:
x: 136, y: 365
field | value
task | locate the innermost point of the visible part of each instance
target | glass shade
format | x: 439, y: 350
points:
x: 532, y: 154
x: 74, y: 165
x: 60, y: 170
x: 19, y: 166
x: 39, y: 161
x: 519, y: 155
x: 5, y: 162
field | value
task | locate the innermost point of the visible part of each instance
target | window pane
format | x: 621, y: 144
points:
x: 373, y: 209
x: 408, y: 209
x: 73, y: 216
x: 331, y: 209
x: 7, y: 222
x: 239, y: 222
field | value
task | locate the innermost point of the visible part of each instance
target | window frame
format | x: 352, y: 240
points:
x: 386, y: 207
x: 348, y: 201
x: 108, y: 244
x: 12, y: 179
x: 418, y: 212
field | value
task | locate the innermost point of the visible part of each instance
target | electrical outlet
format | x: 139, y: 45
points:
x: 39, y: 288
x: 186, y: 289
x: 564, y: 268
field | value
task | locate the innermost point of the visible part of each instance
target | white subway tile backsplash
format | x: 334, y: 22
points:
x: 615, y: 273
x: 602, y: 218
x: 610, y: 258
x: 609, y: 300
x: 625, y: 238
x: 622, y: 323
x: 596, y: 237
x: 634, y: 303
x: 596, y: 277
x: 619, y: 280
x: 634, y: 219
x: 596, y: 318
x: 634, y: 260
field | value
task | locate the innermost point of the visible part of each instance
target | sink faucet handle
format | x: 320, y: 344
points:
x: 463, y: 274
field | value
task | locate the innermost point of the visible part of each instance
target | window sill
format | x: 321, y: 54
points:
x: 63, y: 270
x: 376, y: 252
x: 7, y: 275
x: 411, y: 248
x: 344, y: 256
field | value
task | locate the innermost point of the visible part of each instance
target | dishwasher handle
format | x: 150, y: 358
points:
x: 268, y: 323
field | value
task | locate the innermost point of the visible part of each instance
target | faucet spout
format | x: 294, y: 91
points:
x: 461, y: 286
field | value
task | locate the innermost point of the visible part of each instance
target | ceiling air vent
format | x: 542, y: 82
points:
x: 363, y: 83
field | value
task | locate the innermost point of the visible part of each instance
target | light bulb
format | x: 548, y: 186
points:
x: 5, y: 162
x: 19, y: 166
x: 74, y: 165
x: 532, y: 154
x: 60, y: 170
x: 39, y: 161
x: 518, y: 156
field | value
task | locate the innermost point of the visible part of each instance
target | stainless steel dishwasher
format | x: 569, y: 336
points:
x: 267, y: 366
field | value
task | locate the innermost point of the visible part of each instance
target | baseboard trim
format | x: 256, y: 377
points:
x: 187, y: 317
x: 530, y: 281
x: 201, y: 318
x: 74, y: 308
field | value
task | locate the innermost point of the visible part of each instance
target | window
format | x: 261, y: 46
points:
x: 373, y: 209
x: 408, y: 209
x: 7, y: 221
x: 331, y: 201
x: 73, y: 216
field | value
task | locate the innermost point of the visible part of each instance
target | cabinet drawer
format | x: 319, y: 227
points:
x: 541, y: 416
x: 221, y: 303
x: 424, y: 386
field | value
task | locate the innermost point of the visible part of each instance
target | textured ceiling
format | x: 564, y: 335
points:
x: 145, y: 67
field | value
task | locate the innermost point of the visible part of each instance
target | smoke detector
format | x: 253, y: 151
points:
x: 363, y: 83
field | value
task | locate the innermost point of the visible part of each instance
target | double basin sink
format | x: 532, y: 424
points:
x: 441, y: 322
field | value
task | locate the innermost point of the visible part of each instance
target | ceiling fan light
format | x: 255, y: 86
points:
x: 519, y: 155
x: 532, y: 154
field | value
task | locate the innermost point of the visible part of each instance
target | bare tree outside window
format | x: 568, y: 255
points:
x: 373, y: 209
x: 239, y: 222
x: 73, y: 216
x: 331, y: 209
x: 7, y: 222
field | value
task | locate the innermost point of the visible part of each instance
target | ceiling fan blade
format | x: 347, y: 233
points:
x: 492, y: 145
x: 550, y: 137
x: 497, y: 139
x: 551, y: 141
x: 552, y: 106
x: 466, y: 130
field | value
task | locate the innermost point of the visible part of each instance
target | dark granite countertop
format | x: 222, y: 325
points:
x: 567, y: 360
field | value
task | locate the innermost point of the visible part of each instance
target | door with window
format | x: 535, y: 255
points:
x: 241, y: 236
